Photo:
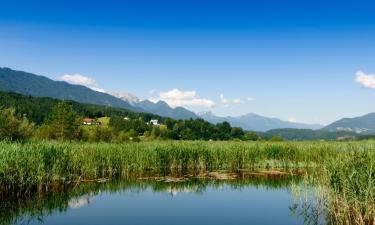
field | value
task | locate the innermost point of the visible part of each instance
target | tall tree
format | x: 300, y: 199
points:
x: 64, y: 123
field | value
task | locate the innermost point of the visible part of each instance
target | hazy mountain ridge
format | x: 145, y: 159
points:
x: 163, y: 109
x: 362, y: 124
x: 252, y: 121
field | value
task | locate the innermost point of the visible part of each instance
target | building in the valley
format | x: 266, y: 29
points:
x: 89, y: 121
x: 154, y: 122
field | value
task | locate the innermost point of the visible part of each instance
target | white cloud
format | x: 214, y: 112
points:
x: 292, y: 120
x: 366, y: 80
x: 250, y: 99
x: 228, y: 102
x: 223, y: 99
x: 81, y: 80
x: 176, y: 98
x: 237, y: 101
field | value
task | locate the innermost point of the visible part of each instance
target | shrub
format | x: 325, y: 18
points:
x: 12, y: 127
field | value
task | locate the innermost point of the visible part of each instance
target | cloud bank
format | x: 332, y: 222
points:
x: 81, y: 80
x: 176, y: 97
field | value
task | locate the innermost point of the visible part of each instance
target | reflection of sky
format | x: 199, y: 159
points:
x: 79, y: 202
x: 250, y: 205
x: 175, y: 190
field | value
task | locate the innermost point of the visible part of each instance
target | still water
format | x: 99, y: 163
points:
x: 250, y: 201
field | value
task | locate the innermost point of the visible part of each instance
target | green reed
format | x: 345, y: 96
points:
x: 38, y: 165
x: 344, y: 171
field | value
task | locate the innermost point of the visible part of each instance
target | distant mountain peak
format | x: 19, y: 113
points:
x: 162, y: 108
x: 250, y: 114
x: 163, y: 103
x: 125, y: 96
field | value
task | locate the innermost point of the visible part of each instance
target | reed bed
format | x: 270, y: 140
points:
x: 38, y: 165
x: 345, y: 171
x: 348, y: 186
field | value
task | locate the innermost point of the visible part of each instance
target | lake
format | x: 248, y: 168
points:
x: 186, y: 201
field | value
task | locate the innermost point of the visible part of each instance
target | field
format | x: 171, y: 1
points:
x: 344, y: 172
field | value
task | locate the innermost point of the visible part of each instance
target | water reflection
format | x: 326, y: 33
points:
x: 79, y: 202
x: 244, y: 199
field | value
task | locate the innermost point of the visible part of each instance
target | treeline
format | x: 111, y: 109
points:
x: 23, y: 117
x: 193, y: 129
x: 37, y: 109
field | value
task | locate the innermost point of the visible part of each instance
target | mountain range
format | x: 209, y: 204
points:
x: 40, y: 86
x: 160, y: 108
x: 252, y: 121
x: 361, y: 125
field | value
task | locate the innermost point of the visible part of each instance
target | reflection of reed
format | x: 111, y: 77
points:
x: 311, y: 209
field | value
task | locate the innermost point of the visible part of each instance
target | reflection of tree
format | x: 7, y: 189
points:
x: 16, y: 210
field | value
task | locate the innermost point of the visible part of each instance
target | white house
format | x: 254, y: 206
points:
x: 154, y: 122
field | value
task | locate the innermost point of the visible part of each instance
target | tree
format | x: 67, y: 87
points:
x: 170, y: 123
x: 12, y: 127
x: 64, y: 123
x: 276, y: 139
x: 223, y: 130
x: 155, y: 132
x: 252, y: 136
x: 237, y: 133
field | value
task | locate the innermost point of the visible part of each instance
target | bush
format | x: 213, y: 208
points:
x: 276, y: 139
x: 14, y: 128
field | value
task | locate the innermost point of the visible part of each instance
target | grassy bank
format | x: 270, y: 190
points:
x: 343, y: 170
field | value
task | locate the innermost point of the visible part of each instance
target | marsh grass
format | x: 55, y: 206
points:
x: 349, y: 181
x: 40, y: 165
x: 343, y: 171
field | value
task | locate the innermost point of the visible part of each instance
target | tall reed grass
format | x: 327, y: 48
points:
x: 345, y: 171
x: 38, y: 165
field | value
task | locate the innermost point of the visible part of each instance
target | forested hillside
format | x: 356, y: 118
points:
x: 40, y: 86
x: 37, y: 109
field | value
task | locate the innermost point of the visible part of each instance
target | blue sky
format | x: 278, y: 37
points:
x: 294, y: 60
